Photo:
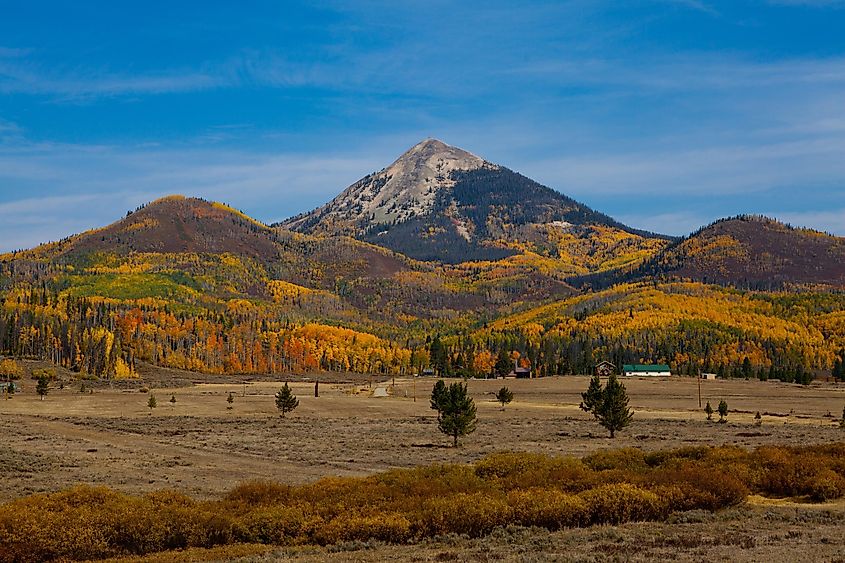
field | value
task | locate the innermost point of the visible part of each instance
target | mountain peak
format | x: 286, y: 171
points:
x: 430, y: 147
x: 408, y: 188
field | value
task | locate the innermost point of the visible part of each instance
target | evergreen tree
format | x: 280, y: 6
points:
x: 758, y: 419
x: 438, y: 395
x: 152, y: 403
x: 43, y: 386
x: 504, y: 396
x: 723, y: 411
x: 708, y: 410
x: 457, y: 414
x: 504, y: 363
x: 746, y: 368
x: 173, y: 399
x: 230, y: 399
x: 842, y: 422
x: 286, y: 401
x: 592, y: 397
x: 612, y: 411
x: 439, y: 356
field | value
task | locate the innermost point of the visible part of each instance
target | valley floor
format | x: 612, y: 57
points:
x: 197, y: 445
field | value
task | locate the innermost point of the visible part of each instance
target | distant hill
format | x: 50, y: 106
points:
x: 752, y: 251
x: 174, y: 224
x: 746, y: 251
x: 441, y: 203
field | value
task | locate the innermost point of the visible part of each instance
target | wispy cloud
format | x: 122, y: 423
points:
x: 9, y: 130
x: 692, y: 4
x: 810, y: 3
x: 19, y: 77
x: 101, y: 183
x: 832, y: 221
x: 678, y: 223
x: 718, y: 170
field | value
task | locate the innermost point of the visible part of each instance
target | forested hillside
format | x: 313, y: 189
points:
x: 747, y: 251
x: 469, y: 267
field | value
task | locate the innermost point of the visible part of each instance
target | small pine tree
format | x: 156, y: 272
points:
x: 43, y: 386
x: 746, y: 368
x: 504, y: 363
x: 842, y: 422
x: 504, y: 396
x: 457, y: 414
x: 438, y: 394
x: 723, y: 411
x: 173, y: 400
x: 230, y: 399
x: 758, y: 419
x: 152, y: 403
x: 612, y: 411
x: 592, y: 397
x: 10, y: 390
x: 708, y: 410
x: 286, y: 401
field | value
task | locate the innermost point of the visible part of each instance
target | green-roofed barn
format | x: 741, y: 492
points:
x: 646, y: 370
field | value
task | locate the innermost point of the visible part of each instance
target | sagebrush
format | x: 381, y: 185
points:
x: 406, y: 504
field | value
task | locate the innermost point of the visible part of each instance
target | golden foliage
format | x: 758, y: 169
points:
x: 411, y: 504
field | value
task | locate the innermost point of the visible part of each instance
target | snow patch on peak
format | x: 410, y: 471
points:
x: 407, y: 188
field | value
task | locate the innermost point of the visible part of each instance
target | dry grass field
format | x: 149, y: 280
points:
x: 198, y: 446
x: 110, y: 437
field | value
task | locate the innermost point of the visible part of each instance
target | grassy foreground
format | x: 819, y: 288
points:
x: 407, y: 505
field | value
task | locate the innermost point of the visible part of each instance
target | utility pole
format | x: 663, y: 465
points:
x: 699, y: 389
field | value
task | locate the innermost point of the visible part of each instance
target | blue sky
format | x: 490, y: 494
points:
x: 666, y: 114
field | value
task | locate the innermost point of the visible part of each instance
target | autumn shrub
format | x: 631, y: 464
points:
x: 474, y: 514
x: 521, y: 470
x: 410, y: 504
x: 696, y: 486
x: 655, y: 459
x: 94, y: 522
x: 280, y: 525
x: 622, y: 502
x: 625, y: 459
x: 826, y: 485
x: 333, y: 496
x: 784, y: 472
x: 386, y: 527
x: 506, y: 465
x: 547, y: 508
x: 252, y: 493
x: 428, y: 481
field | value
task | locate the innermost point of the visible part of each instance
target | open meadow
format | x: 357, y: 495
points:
x: 108, y: 435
